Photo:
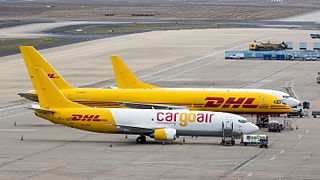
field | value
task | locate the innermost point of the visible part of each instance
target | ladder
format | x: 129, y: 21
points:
x: 227, y: 133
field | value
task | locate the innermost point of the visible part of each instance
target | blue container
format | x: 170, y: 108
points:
x: 280, y: 57
x: 303, y: 46
x: 267, y: 57
x: 290, y: 45
x: 316, y: 46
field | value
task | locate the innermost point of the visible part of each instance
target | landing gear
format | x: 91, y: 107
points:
x: 141, y: 139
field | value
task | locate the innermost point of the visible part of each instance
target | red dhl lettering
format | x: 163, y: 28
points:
x: 85, y: 117
x: 184, y: 118
x: 51, y: 76
x: 214, y: 102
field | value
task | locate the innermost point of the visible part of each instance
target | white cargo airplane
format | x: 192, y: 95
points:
x: 158, y: 124
x: 127, y: 80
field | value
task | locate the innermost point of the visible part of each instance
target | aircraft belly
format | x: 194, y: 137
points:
x: 203, y: 133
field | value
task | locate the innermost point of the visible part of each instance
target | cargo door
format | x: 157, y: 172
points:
x: 263, y: 101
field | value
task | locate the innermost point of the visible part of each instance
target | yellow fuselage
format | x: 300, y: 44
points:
x: 90, y: 119
x: 233, y: 102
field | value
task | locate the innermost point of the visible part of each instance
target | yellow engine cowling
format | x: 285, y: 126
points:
x: 165, y: 134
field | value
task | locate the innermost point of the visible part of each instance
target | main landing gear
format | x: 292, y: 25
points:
x: 141, y: 139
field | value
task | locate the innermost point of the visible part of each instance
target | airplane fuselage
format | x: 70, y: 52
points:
x: 144, y: 121
x: 204, y: 100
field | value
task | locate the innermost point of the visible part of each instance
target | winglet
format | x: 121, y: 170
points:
x: 125, y: 78
x: 32, y: 59
x: 48, y: 93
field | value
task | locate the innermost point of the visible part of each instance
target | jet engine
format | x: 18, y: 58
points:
x: 165, y: 134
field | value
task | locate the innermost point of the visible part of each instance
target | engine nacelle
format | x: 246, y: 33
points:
x: 165, y: 134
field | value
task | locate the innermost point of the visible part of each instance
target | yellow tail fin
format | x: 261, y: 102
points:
x: 32, y: 59
x: 48, y: 93
x: 125, y: 78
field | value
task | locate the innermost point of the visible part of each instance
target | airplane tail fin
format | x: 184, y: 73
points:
x: 32, y: 59
x: 48, y: 93
x: 125, y: 78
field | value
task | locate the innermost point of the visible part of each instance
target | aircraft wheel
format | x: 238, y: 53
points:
x: 141, y: 139
x: 233, y: 142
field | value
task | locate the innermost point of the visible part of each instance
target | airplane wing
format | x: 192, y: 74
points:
x: 139, y: 129
x: 36, y: 107
x: 151, y: 106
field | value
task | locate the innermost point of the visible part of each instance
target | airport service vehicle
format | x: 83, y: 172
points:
x: 299, y: 112
x: 275, y: 126
x: 127, y: 80
x: 161, y: 125
x: 315, y: 113
x: 157, y: 98
x: 268, y: 46
x: 261, y: 140
x: 306, y: 105
x: 314, y: 36
x: 236, y: 56
x: 318, y: 78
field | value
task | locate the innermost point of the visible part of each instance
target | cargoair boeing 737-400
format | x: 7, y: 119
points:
x: 159, y: 98
x: 158, y: 124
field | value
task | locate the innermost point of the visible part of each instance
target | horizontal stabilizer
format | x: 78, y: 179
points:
x: 36, y: 107
x: 29, y: 95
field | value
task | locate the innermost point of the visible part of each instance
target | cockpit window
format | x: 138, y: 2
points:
x: 286, y: 97
x: 242, y: 120
x: 279, y: 102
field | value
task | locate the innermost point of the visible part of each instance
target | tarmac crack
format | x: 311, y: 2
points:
x: 235, y: 168
x: 42, y: 151
x: 269, y: 75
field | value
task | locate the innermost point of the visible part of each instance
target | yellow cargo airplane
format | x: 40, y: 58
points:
x: 127, y: 80
x: 158, y: 98
x: 158, y: 124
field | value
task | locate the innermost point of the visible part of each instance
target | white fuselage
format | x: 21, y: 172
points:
x: 185, y: 122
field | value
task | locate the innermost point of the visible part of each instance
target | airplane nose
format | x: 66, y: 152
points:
x: 253, y: 128
x: 292, y: 102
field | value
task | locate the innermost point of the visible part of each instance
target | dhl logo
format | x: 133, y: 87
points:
x: 52, y: 76
x: 85, y: 117
x: 215, y: 102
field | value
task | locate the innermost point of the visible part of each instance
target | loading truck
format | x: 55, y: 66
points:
x: 267, y: 46
x: 255, y: 139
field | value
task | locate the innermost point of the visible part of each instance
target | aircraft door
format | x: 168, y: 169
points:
x: 240, y: 126
x: 263, y: 101
x: 228, y: 124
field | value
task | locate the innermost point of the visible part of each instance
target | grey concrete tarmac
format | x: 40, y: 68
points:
x: 186, y: 58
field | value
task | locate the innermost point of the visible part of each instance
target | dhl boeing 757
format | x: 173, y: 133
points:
x: 158, y: 124
x: 193, y: 99
x: 127, y: 80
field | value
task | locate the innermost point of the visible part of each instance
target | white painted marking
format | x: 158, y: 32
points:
x: 193, y: 60
x: 250, y: 174
x: 273, y: 158
x: 300, y: 136
x: 307, y: 131
x: 11, y: 107
x: 16, y: 115
x: 282, y: 151
x: 18, y: 130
